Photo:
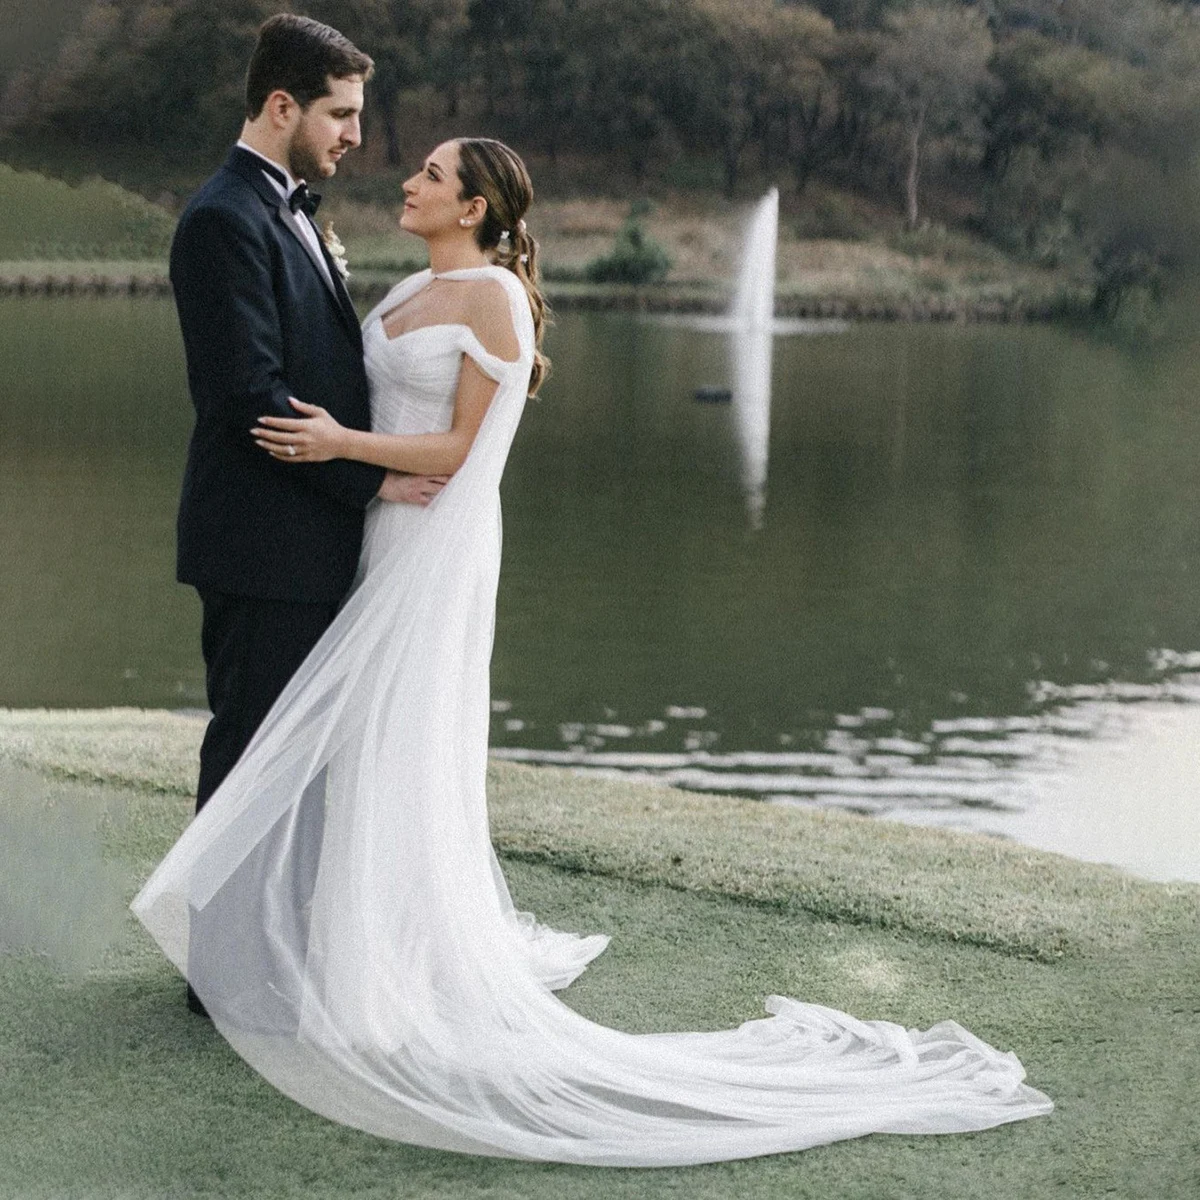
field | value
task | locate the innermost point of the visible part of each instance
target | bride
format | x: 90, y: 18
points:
x: 337, y: 904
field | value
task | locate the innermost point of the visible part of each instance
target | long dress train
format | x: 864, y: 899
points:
x: 338, y: 907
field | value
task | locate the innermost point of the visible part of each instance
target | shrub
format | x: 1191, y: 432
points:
x: 635, y: 257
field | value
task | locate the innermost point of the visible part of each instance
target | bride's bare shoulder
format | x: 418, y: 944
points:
x: 489, y: 314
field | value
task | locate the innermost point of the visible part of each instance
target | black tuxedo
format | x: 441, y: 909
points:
x: 271, y: 547
x: 261, y: 323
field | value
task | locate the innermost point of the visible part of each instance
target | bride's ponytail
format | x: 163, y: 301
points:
x: 488, y: 168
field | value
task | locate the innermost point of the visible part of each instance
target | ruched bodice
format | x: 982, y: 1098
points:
x: 414, y: 375
x: 414, y: 379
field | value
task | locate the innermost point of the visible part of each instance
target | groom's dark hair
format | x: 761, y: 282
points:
x: 299, y: 56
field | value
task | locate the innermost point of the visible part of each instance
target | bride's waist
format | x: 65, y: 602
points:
x: 411, y: 428
x: 410, y: 416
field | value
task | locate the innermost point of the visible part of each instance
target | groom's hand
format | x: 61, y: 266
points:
x: 411, y: 489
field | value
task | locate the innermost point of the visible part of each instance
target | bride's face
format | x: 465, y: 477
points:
x: 431, y: 197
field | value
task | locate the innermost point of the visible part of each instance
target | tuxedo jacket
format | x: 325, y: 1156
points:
x: 261, y: 322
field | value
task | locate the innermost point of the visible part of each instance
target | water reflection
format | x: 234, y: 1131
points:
x: 1107, y: 773
x: 751, y: 353
x: 751, y: 339
x: 1130, y: 794
x: 751, y: 328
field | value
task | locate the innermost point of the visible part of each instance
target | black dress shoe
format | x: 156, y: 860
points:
x: 194, y: 1005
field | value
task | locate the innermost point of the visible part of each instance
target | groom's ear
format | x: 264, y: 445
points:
x: 280, y: 109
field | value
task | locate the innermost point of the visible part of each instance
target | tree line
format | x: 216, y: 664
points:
x: 1051, y: 124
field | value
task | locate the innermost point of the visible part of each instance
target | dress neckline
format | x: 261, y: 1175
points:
x: 464, y: 272
x: 471, y: 334
x: 418, y: 328
x: 457, y: 273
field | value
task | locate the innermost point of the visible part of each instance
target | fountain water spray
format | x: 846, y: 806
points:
x: 751, y: 336
x: 754, y: 300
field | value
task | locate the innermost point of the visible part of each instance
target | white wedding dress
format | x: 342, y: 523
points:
x: 338, y: 906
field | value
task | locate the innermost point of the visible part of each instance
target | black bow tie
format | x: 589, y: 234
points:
x: 303, y: 199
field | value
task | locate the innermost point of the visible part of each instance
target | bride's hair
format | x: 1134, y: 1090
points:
x: 491, y: 169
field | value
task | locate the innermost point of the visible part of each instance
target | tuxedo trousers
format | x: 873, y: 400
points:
x: 251, y: 648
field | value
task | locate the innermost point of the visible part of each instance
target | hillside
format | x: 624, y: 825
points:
x: 833, y: 251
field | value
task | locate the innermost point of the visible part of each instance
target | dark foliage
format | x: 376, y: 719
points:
x: 1011, y: 114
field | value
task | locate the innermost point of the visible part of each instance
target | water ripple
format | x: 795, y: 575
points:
x: 1003, y: 774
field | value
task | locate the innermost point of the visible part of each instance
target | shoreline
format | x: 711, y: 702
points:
x: 994, y: 893
x: 685, y: 299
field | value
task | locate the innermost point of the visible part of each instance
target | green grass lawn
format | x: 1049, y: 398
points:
x: 111, y: 1089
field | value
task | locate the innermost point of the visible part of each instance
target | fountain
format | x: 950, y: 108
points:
x: 754, y: 300
x: 752, y: 329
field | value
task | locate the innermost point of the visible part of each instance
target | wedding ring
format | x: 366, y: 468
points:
x: 292, y: 451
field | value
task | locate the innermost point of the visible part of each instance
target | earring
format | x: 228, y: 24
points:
x: 464, y: 222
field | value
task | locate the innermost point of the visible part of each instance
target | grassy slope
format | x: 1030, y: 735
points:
x: 113, y: 1090
x: 49, y: 220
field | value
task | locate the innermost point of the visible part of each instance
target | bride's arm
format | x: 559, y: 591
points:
x: 315, y: 436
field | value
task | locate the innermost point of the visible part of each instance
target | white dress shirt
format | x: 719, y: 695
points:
x: 307, y: 228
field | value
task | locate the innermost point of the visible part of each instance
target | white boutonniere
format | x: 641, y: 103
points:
x: 336, y: 250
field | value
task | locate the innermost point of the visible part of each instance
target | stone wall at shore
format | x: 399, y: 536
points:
x: 152, y: 280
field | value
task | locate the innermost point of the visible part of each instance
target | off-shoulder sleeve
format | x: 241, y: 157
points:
x: 494, y: 367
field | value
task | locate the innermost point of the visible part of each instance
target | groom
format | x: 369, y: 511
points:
x: 265, y: 316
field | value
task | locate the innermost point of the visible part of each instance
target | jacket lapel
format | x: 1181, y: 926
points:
x: 245, y: 164
x: 292, y: 221
x: 339, y: 284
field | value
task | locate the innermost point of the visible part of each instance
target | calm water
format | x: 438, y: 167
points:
x: 971, y: 601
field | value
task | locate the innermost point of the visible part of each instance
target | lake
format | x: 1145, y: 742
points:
x: 966, y: 597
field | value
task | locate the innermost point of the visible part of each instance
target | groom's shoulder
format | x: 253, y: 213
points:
x: 225, y: 206
x: 224, y: 190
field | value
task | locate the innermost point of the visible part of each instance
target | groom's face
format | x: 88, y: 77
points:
x: 326, y: 129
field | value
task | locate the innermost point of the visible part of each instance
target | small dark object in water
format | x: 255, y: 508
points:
x: 710, y: 394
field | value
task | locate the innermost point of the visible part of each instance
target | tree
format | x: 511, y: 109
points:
x: 933, y: 67
x: 1115, y: 28
x: 1092, y: 144
x: 167, y: 76
x: 554, y: 68
x: 1138, y: 212
x: 495, y: 29
x: 825, y: 104
x: 635, y: 88
x: 1141, y: 237
x: 856, y: 14
x: 413, y: 44
x: 529, y: 53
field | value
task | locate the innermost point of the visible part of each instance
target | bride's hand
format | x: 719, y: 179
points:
x: 313, y: 437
